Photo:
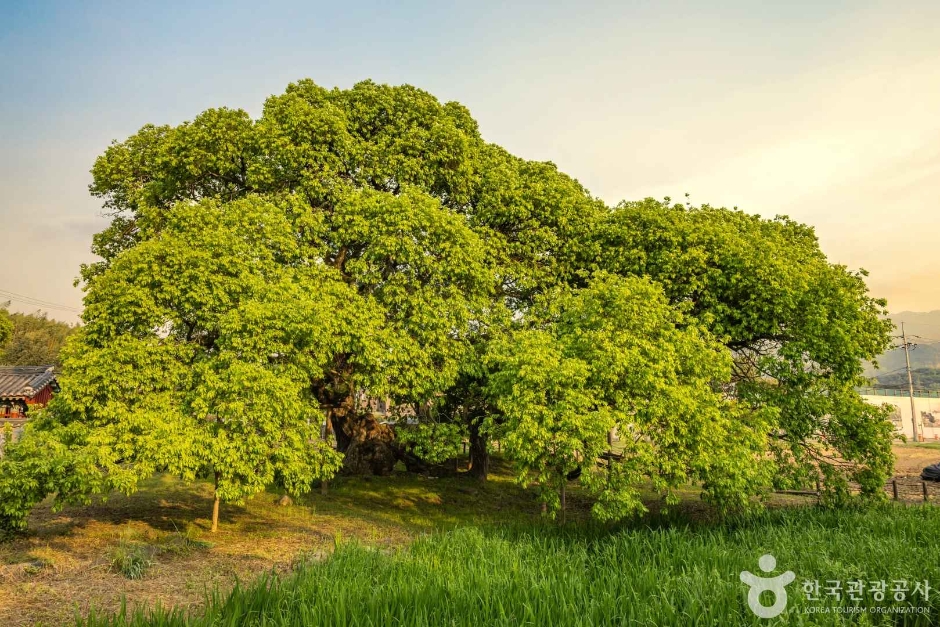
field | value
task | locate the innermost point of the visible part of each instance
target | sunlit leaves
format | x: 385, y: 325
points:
x: 797, y: 326
x: 616, y: 355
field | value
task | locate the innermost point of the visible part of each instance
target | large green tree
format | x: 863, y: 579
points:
x: 261, y: 276
x: 329, y: 151
x: 343, y: 162
x: 247, y: 256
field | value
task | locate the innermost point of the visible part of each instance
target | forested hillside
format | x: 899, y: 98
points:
x: 31, y: 339
x: 923, y: 329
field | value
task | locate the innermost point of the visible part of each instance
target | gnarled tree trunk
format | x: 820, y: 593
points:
x: 371, y: 448
x: 479, y: 455
x: 368, y: 447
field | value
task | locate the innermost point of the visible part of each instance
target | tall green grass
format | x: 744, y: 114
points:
x: 668, y: 574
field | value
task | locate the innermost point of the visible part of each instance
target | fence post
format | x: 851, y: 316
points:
x: 894, y: 486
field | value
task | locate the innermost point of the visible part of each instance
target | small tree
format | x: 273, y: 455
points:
x: 614, y: 354
x: 553, y: 424
x: 171, y: 371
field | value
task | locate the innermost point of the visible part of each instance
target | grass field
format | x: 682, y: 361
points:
x: 672, y: 575
x: 154, y: 547
x: 65, y: 563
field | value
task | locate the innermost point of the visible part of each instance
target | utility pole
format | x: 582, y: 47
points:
x: 910, y: 381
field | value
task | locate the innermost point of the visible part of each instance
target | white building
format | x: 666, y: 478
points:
x: 926, y: 407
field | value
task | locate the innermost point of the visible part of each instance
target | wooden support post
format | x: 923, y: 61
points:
x: 894, y: 486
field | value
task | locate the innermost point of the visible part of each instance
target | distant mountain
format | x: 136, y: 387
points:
x: 923, y: 329
x: 922, y: 378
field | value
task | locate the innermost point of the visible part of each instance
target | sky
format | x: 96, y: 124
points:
x: 826, y: 111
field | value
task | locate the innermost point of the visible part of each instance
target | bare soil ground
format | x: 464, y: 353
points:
x: 912, y: 458
x: 64, y: 564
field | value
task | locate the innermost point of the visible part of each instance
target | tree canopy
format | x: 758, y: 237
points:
x: 6, y: 328
x: 796, y: 326
x: 31, y: 339
x: 261, y: 277
x: 615, y: 355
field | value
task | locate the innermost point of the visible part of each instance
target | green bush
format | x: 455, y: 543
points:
x: 131, y: 559
x: 184, y: 542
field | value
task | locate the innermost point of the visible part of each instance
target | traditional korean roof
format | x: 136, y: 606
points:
x: 24, y: 382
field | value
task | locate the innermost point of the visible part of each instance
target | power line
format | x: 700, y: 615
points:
x: 36, y: 302
x: 881, y: 374
x: 29, y: 300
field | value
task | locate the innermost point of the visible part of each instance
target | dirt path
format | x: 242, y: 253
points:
x: 912, y: 458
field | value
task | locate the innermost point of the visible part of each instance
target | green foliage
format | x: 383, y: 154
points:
x: 47, y: 459
x: 258, y: 271
x: 184, y: 542
x: 665, y: 575
x: 797, y: 327
x: 614, y: 354
x: 261, y: 276
x: 170, y: 372
x: 135, y: 553
x: 317, y: 143
x: 6, y: 328
x: 33, y: 339
x: 131, y: 559
x: 432, y: 442
x: 369, y: 178
x: 536, y: 221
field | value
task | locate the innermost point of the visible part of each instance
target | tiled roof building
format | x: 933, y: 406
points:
x: 22, y: 387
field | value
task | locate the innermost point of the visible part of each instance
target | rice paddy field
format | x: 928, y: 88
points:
x: 664, y: 571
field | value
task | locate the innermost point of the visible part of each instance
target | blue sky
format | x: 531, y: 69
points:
x: 825, y: 111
